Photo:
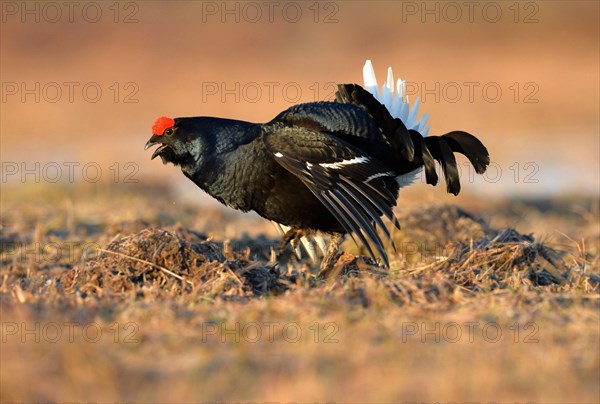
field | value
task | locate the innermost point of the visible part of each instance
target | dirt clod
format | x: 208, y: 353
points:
x: 171, y: 258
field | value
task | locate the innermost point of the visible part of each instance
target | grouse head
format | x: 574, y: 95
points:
x: 180, y: 142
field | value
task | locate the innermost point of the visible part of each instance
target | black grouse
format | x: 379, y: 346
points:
x: 320, y: 166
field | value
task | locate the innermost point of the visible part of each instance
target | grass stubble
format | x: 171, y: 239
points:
x: 117, y: 294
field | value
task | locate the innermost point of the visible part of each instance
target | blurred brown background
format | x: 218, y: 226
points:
x: 251, y: 60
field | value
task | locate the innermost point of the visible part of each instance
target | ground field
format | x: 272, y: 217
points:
x: 183, y: 304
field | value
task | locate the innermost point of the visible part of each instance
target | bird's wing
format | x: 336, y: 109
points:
x: 347, y: 120
x: 344, y: 179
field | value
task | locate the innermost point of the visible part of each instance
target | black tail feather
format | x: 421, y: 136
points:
x: 443, y: 154
x: 342, y: 95
x: 427, y: 160
x: 393, y: 128
x: 471, y: 147
x: 416, y: 149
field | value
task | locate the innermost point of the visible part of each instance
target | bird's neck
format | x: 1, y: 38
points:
x: 223, y: 139
x: 229, y: 134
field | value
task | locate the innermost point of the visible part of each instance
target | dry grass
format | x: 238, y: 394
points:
x: 150, y: 309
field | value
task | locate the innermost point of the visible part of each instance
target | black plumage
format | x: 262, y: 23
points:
x: 326, y: 166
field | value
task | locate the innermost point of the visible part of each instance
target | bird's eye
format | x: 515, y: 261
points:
x: 169, y: 131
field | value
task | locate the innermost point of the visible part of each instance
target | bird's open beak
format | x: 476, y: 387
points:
x: 149, y: 143
x: 154, y: 140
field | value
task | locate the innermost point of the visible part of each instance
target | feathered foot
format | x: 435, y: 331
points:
x: 292, y: 236
x: 331, y: 255
x: 311, y: 240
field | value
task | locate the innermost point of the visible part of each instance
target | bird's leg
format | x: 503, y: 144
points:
x: 332, y: 253
x: 292, y: 236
